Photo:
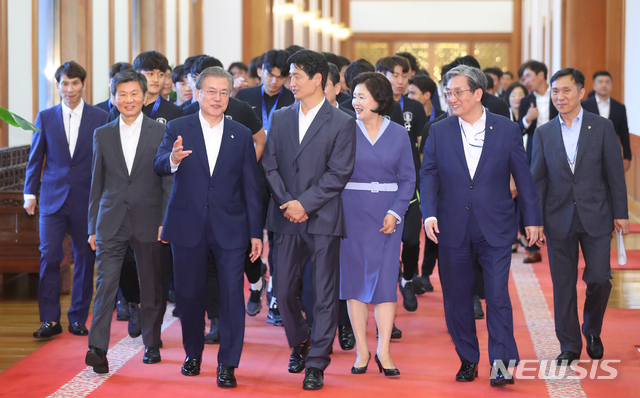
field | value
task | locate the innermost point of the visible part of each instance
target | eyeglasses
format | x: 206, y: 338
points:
x: 214, y: 93
x: 448, y: 94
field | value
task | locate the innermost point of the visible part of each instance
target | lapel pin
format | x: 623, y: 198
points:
x: 589, y: 127
x: 490, y: 127
x: 233, y: 137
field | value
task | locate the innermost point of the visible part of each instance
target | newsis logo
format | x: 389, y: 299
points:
x: 548, y: 369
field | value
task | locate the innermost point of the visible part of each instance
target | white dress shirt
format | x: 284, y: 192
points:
x: 571, y: 138
x: 542, y: 103
x: 71, y: 119
x: 129, y: 138
x: 212, y: 141
x: 604, y: 107
x: 304, y: 121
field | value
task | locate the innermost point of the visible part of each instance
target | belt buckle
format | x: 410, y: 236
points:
x: 374, y: 187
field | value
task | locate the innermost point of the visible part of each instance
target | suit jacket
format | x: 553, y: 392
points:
x: 448, y: 192
x: 597, y: 189
x: 114, y: 191
x: 253, y: 97
x: 525, y: 104
x: 618, y: 116
x: 104, y: 105
x: 314, y: 172
x: 231, y: 195
x: 62, y: 174
x: 496, y: 105
x: 347, y: 111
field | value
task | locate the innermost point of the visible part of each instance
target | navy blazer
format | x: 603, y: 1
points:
x: 597, y: 188
x: 618, y: 116
x: 314, y: 171
x: 449, y: 192
x: 62, y: 174
x: 231, y: 195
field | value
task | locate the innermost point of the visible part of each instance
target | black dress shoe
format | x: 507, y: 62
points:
x: 468, y: 371
x: 396, y: 334
x: 151, y: 355
x: 78, y: 329
x: 387, y: 372
x: 566, y: 357
x: 191, y: 366
x: 299, y: 357
x: 594, y: 346
x: 362, y: 369
x: 97, y: 358
x: 225, y: 376
x: 409, y: 300
x: 426, y: 283
x: 346, y: 338
x: 499, y: 379
x: 477, y: 308
x: 134, y: 321
x: 48, y: 330
x: 313, y: 379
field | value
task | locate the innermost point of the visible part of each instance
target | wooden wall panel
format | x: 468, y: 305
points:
x: 4, y: 71
x: 34, y: 57
x: 257, y: 34
x: 615, y: 40
x: 152, y: 36
x: 76, y: 38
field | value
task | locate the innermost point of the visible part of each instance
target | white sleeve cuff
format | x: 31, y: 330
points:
x: 28, y: 196
x: 427, y: 220
x: 395, y: 215
x: 174, y: 167
x: 525, y: 123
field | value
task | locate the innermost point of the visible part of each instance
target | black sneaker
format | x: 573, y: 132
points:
x: 409, y: 301
x: 254, y: 304
x: 477, y: 308
x: 213, y: 337
x: 273, y: 316
x: 396, y: 334
x: 134, y: 321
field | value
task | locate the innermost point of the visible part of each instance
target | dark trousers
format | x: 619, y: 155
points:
x: 411, y: 240
x: 110, y: 256
x: 458, y: 277
x: 563, y: 261
x: 190, y: 277
x: 323, y: 254
x: 53, y: 229
x: 430, y: 257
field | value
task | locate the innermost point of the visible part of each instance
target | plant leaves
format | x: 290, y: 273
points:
x: 16, y: 120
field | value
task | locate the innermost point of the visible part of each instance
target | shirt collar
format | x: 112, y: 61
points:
x: 547, y: 94
x: 204, y: 122
x: 599, y: 101
x: 578, y: 119
x: 135, y: 125
x: 314, y: 110
x: 482, y: 119
x: 66, y: 110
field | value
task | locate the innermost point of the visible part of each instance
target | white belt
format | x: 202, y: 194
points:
x: 374, y: 187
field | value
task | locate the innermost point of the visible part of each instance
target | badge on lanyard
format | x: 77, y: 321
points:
x: 267, y: 117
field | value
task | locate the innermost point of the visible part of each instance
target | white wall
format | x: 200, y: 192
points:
x: 121, y: 34
x: 100, y: 75
x: 20, y: 68
x: 183, y: 6
x: 631, y: 62
x: 171, y: 48
x: 222, y: 30
x: 431, y: 16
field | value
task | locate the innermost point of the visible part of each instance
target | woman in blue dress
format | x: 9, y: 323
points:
x: 375, y: 201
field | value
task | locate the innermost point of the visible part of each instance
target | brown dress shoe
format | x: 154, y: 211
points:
x: 533, y: 257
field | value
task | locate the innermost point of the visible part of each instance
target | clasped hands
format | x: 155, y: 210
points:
x: 294, y: 212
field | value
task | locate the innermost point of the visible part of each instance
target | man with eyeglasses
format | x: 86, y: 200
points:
x: 214, y: 208
x: 469, y: 212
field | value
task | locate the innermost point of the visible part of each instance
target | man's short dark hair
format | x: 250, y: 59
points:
x: 331, y: 57
x: 276, y: 59
x: 576, y: 76
x: 388, y: 64
x: 71, y: 69
x: 494, y: 70
x: 535, y: 67
x: 489, y: 81
x: 445, y: 68
x: 129, y: 75
x: 150, y: 60
x: 509, y: 74
x: 188, y: 63
x: 422, y: 72
x: 294, y: 48
x: 118, y: 67
x: 311, y: 63
x: 239, y: 65
x: 342, y: 61
x: 468, y: 60
x: 380, y: 89
x: 254, y: 65
x: 413, y: 61
x: 334, y: 74
x: 177, y: 74
x: 204, y: 63
x: 424, y: 83
x: 602, y: 73
x: 355, y: 68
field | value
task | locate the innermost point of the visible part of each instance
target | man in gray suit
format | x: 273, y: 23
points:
x: 579, y: 176
x: 308, y: 159
x: 126, y: 207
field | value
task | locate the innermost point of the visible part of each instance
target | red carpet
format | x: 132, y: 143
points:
x: 425, y: 355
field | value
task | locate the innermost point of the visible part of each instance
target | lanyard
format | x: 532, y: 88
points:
x: 109, y: 104
x: 156, y: 106
x: 474, y: 137
x: 401, y: 101
x: 433, y: 113
x: 266, y: 117
x: 572, y: 162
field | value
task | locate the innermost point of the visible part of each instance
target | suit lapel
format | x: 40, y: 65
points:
x: 458, y: 144
x: 321, y: 118
x: 225, y: 146
x: 489, y: 142
x: 198, y: 140
x: 143, y: 141
x: 558, y: 143
x: 117, y: 145
x: 585, y: 135
x: 84, y: 136
x: 293, y: 125
x: 62, y: 137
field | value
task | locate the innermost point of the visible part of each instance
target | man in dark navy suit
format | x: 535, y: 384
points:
x: 214, y: 207
x: 469, y: 212
x: 602, y: 104
x: 64, y: 146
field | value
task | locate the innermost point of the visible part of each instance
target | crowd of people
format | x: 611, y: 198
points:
x: 171, y: 182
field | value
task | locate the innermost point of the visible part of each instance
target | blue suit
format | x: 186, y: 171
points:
x: 64, y: 202
x: 218, y: 213
x: 476, y: 217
